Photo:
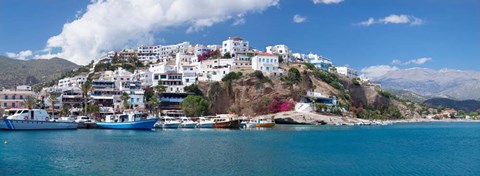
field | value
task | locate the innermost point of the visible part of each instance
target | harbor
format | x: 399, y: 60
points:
x: 282, y: 150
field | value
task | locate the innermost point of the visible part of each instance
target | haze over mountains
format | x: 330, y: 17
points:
x: 446, y: 83
x: 15, y: 72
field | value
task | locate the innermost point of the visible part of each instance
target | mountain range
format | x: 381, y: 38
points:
x: 15, y: 72
x: 445, y: 83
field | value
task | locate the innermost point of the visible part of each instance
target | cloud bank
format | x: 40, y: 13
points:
x: 393, y: 19
x: 22, y: 55
x: 108, y: 25
x: 418, y: 61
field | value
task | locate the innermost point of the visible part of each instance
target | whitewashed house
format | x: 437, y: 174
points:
x: 234, y: 46
x: 214, y: 69
x: 267, y: 63
x: 281, y: 51
x: 346, y: 71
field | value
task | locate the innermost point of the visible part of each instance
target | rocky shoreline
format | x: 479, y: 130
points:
x: 308, y: 118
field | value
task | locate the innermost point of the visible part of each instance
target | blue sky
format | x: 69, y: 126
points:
x: 447, y: 36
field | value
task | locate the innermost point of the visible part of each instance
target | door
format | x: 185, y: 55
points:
x: 32, y: 113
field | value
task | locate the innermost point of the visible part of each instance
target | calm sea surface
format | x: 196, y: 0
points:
x: 400, y: 149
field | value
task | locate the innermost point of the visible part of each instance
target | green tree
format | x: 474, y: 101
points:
x: 194, y: 106
x: 293, y: 76
x: 93, y: 109
x: 193, y: 89
x: 85, y: 89
x: 53, y: 98
x: 153, y: 104
x: 29, y: 102
x: 227, y: 55
x: 125, y: 97
x: 65, y: 110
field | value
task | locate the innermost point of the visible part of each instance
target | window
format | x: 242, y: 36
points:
x: 13, y: 105
x: 4, y: 105
x: 163, y: 76
x: 187, y: 80
x: 21, y: 96
x: 155, y: 77
x: 13, y: 97
x: 131, y: 100
x: 138, y: 99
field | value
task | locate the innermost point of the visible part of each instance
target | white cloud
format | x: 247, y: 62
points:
x: 239, y: 20
x: 393, y: 19
x: 377, y: 71
x: 299, y: 19
x: 327, y: 1
x: 418, y: 61
x: 22, y: 55
x: 396, y: 62
x: 110, y: 25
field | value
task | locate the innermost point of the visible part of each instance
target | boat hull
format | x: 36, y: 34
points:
x: 7, y: 124
x: 229, y: 124
x: 168, y: 125
x: 189, y: 125
x: 265, y: 125
x: 136, y: 125
x: 205, y: 125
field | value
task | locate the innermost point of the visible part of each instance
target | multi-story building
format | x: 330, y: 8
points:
x: 234, y: 46
x: 144, y: 77
x: 318, y: 61
x: 75, y: 81
x: 267, y: 63
x: 135, y: 91
x: 172, y: 81
x: 281, y: 51
x: 349, y: 72
x: 242, y: 61
x: 161, y: 53
x: 214, y: 69
x: 126, y: 54
x: 72, y: 97
x: 189, y: 74
x: 15, y: 98
x: 104, y: 93
x: 120, y: 76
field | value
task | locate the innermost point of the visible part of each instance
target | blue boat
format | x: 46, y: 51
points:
x: 127, y: 122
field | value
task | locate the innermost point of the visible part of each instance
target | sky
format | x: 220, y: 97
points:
x: 372, y: 36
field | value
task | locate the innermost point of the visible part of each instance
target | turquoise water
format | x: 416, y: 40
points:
x: 401, y: 149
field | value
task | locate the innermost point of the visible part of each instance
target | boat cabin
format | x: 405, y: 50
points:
x: 28, y: 114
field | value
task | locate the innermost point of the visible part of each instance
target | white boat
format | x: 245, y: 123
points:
x: 33, y: 119
x: 186, y: 122
x: 167, y: 122
x: 128, y: 121
x: 249, y: 123
x: 205, y: 123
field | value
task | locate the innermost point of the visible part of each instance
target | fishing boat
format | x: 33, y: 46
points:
x: 169, y: 119
x: 226, y: 121
x: 205, y: 122
x: 131, y: 121
x: 33, y: 119
x: 186, y: 122
x: 263, y: 121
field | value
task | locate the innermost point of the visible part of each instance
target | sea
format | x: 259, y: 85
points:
x: 398, y: 149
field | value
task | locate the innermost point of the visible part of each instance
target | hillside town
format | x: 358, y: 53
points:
x: 167, y: 70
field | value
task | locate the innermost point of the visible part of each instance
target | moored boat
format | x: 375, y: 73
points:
x: 205, y: 122
x: 263, y: 121
x: 33, y: 119
x: 169, y: 120
x: 249, y: 123
x: 133, y: 121
x: 186, y: 122
x: 226, y: 121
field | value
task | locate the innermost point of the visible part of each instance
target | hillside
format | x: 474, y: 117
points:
x: 253, y: 94
x: 465, y: 105
x: 456, y: 84
x: 17, y: 72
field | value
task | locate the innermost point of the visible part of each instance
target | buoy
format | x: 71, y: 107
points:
x: 5, y: 142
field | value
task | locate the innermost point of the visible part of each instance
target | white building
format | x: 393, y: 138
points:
x: 234, y: 46
x: 267, y: 63
x: 185, y: 59
x: 280, y: 50
x: 189, y: 74
x: 242, y: 61
x: 351, y: 73
x: 120, y: 76
x: 145, y: 77
x: 75, y: 81
x: 161, y: 53
x: 15, y: 98
x: 317, y: 60
x: 214, y: 69
x: 135, y: 91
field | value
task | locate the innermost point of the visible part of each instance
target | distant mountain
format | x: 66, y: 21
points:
x: 17, y: 72
x: 409, y: 95
x: 465, y: 105
x: 456, y: 84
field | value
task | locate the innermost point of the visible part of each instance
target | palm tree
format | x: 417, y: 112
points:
x: 53, y: 98
x: 85, y: 89
x: 125, y: 97
x: 152, y: 104
x: 29, y: 102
